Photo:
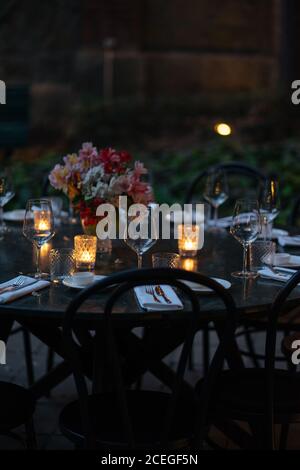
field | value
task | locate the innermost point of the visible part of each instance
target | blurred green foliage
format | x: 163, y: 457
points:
x: 172, y: 172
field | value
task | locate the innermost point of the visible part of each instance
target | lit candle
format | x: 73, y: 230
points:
x: 42, y: 220
x: 85, y: 251
x: 189, y: 264
x: 188, y: 239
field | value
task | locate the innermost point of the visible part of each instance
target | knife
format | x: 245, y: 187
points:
x: 13, y: 289
x: 160, y: 292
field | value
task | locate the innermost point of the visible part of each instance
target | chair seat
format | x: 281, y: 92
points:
x: 17, y: 406
x: 241, y: 395
x: 147, y: 411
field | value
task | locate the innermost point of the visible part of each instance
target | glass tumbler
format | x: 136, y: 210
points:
x: 62, y: 264
x: 165, y: 260
x: 262, y: 254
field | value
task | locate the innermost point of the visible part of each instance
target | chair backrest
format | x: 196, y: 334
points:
x: 126, y: 281
x: 242, y: 179
x: 276, y: 310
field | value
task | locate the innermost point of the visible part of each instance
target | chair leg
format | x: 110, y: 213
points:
x: 191, y: 359
x: 251, y: 349
x: 284, y: 434
x: 30, y: 435
x: 206, y: 349
x: 50, y: 359
x: 28, y: 356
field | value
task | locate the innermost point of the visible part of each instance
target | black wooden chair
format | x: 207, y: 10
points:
x: 120, y: 418
x: 253, y: 178
x: 17, y: 408
x: 261, y: 397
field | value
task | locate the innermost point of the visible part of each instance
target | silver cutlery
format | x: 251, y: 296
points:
x: 18, y: 284
x: 280, y: 274
x: 161, y: 293
x: 150, y: 291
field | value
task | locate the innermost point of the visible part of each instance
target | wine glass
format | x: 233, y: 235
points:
x: 38, y: 227
x: 141, y: 231
x: 6, y: 194
x: 245, y: 227
x: 270, y: 204
x: 216, y: 191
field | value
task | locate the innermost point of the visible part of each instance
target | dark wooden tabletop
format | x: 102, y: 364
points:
x: 220, y: 256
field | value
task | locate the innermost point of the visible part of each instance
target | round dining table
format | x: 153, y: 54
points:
x: 42, y: 315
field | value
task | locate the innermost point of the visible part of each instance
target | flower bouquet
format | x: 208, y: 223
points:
x: 91, y: 177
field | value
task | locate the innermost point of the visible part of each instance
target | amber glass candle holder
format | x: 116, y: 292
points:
x: 85, y: 247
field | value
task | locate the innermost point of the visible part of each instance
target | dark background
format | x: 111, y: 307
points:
x: 154, y: 77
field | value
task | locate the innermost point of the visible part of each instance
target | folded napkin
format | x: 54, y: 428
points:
x: 225, y: 222
x: 283, y: 275
x: 148, y: 303
x: 289, y: 241
x: 28, y: 287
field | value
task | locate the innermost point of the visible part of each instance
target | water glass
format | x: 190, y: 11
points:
x: 262, y: 254
x: 165, y: 260
x: 62, y: 264
x: 57, y: 205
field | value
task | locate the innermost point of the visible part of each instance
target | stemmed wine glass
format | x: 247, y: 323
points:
x: 38, y: 227
x: 141, y: 231
x: 269, y: 204
x: 216, y: 191
x: 6, y: 194
x: 245, y: 227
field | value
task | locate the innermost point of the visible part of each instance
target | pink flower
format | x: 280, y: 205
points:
x: 139, y: 169
x: 88, y: 157
x: 71, y: 162
x: 59, y: 177
x: 120, y: 185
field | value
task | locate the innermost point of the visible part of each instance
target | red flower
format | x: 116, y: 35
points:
x: 113, y: 161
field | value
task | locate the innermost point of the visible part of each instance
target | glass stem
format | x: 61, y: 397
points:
x: 1, y: 218
x: 38, y: 251
x: 140, y: 261
x: 215, y: 216
x: 245, y: 258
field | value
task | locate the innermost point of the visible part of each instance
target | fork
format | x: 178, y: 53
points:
x: 20, y: 281
x: 150, y: 291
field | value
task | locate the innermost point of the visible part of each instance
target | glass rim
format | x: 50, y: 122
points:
x: 248, y: 201
x: 61, y: 250
x: 85, y: 237
x: 37, y: 200
x: 166, y: 254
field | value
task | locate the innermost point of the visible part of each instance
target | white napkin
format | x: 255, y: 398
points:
x: 27, y: 288
x: 282, y: 276
x: 225, y: 222
x: 289, y: 241
x: 148, y: 303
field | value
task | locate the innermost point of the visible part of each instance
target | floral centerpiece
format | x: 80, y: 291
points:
x: 91, y: 177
